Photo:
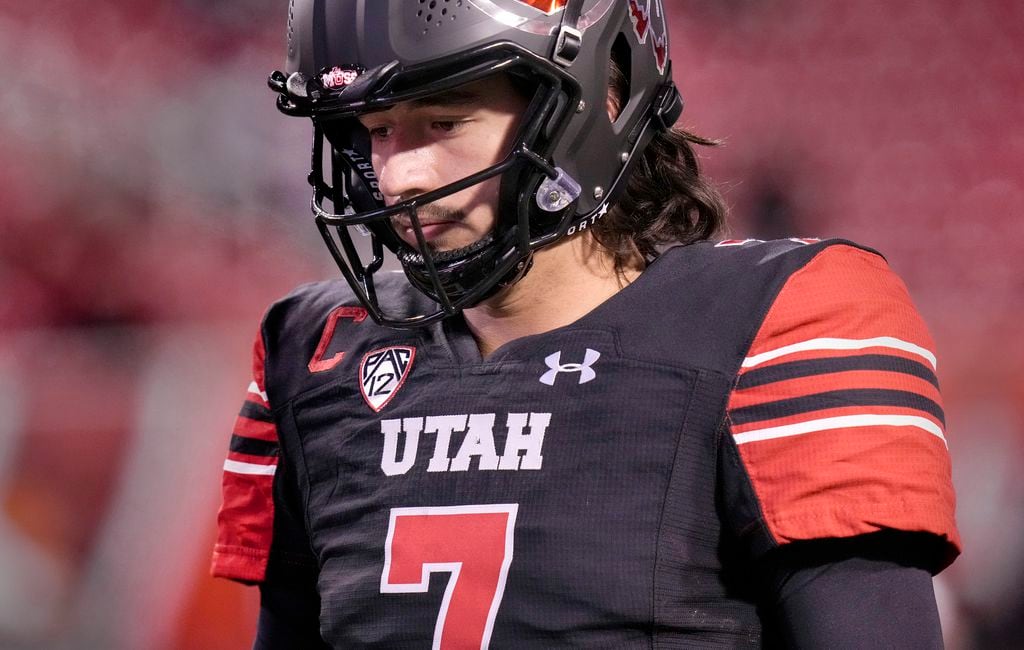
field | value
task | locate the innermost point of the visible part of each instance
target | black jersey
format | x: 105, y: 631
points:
x: 609, y: 484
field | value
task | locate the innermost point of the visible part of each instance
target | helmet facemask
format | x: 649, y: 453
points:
x: 453, y: 279
x: 566, y: 167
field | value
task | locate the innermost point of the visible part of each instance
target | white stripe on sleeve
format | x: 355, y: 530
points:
x: 841, y: 344
x: 841, y: 422
x: 255, y: 390
x: 249, y: 468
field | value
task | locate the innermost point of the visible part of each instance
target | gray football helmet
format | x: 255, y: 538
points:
x: 569, y: 163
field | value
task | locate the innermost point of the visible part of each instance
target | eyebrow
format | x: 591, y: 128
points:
x: 456, y: 97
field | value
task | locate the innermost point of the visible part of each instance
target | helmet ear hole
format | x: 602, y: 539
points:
x: 620, y: 73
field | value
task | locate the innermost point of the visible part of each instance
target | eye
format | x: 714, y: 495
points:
x: 379, y: 132
x: 448, y: 126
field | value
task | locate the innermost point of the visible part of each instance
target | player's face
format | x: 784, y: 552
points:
x: 422, y: 145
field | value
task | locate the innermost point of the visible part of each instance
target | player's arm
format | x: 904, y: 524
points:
x: 865, y: 592
x: 245, y: 522
x: 289, y: 601
x: 260, y: 536
x: 834, y: 450
x: 289, y: 617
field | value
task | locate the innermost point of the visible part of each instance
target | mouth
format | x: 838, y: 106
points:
x: 431, y: 230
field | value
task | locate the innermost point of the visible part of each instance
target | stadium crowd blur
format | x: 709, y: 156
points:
x: 152, y: 203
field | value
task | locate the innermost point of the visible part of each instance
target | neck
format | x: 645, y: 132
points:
x: 567, y: 281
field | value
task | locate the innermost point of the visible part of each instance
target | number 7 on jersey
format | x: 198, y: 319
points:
x: 473, y: 544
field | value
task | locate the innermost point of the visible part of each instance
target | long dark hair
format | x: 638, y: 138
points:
x: 666, y: 199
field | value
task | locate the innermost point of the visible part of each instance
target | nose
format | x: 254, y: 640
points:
x: 404, y: 170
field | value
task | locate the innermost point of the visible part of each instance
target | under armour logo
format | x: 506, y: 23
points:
x: 556, y: 366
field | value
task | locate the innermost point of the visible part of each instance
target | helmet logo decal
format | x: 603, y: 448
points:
x: 382, y: 372
x: 339, y: 76
x: 549, y: 7
x: 645, y: 22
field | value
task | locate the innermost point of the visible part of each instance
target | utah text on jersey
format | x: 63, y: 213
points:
x: 522, y: 449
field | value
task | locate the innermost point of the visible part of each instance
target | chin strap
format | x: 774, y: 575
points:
x: 570, y: 38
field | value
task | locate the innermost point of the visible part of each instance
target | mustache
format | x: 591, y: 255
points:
x: 430, y: 213
x: 426, y: 215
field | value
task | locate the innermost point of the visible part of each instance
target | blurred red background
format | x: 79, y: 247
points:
x: 153, y: 202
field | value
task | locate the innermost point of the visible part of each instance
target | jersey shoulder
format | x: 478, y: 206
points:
x: 303, y: 337
x: 703, y: 304
x: 771, y: 261
x: 835, y: 416
x: 310, y: 331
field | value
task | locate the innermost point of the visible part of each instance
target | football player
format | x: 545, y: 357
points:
x: 570, y: 420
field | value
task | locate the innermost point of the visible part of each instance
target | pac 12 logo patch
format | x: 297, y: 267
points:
x: 382, y: 372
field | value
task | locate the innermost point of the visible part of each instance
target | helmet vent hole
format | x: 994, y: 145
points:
x: 435, y: 13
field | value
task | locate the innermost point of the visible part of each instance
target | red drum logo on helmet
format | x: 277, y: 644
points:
x: 648, y: 18
x: 339, y: 76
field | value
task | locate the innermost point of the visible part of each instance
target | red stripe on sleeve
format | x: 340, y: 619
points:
x: 863, y: 473
x: 257, y: 429
x: 848, y: 482
x: 844, y: 292
x: 245, y: 522
x: 244, y: 527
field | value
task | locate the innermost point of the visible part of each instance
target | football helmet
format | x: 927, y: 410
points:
x: 568, y: 164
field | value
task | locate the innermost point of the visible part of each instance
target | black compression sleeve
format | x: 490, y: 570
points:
x: 289, y: 617
x: 862, y: 593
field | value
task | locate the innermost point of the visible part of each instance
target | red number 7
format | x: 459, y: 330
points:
x: 473, y: 544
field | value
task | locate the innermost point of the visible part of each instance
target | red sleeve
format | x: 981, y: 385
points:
x: 836, y: 413
x: 246, y: 518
